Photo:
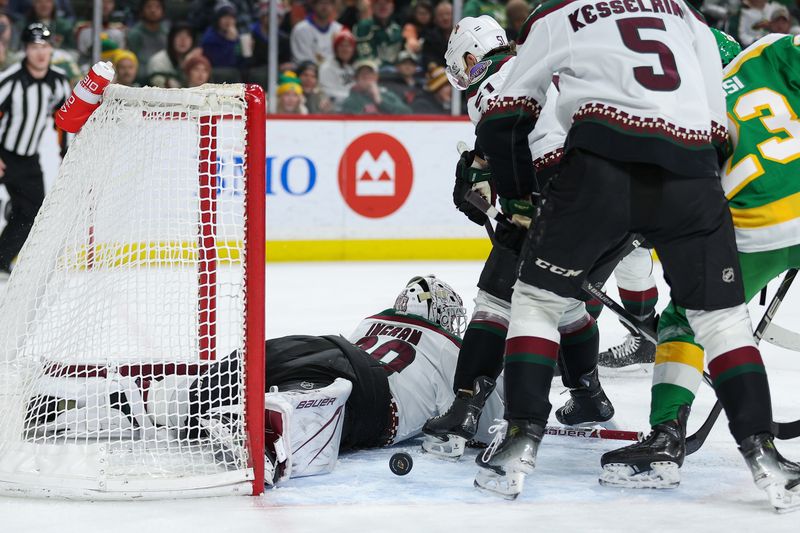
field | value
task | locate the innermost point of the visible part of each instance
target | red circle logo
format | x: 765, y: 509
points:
x: 375, y: 175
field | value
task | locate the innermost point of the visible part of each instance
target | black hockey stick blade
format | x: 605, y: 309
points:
x: 696, y: 439
x: 786, y: 430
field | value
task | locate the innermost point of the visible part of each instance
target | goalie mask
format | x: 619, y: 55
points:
x: 435, y: 301
x: 476, y: 36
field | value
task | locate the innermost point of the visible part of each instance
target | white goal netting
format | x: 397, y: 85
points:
x: 123, y: 353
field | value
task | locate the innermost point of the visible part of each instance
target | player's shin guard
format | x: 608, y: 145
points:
x: 579, y: 344
x: 531, y: 352
x: 481, y: 351
x: 736, y: 368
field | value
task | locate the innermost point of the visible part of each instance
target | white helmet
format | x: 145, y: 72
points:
x: 435, y: 301
x: 472, y: 35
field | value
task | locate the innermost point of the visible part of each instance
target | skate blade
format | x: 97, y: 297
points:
x: 783, y: 499
x: 451, y: 449
x: 507, y: 486
x: 663, y: 475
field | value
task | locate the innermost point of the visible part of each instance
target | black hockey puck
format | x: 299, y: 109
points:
x: 400, y: 464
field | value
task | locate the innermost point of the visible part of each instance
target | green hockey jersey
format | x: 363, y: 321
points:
x: 762, y: 175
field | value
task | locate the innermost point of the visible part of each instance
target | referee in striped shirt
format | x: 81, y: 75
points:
x: 30, y: 93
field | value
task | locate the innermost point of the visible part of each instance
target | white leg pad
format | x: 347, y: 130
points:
x: 311, y: 427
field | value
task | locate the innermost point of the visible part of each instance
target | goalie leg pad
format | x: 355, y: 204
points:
x: 311, y: 428
x: 168, y: 400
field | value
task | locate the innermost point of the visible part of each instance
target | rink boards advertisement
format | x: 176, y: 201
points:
x: 350, y: 189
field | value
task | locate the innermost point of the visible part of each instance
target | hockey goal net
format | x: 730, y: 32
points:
x: 134, y: 317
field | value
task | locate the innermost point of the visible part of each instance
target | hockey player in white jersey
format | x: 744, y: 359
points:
x: 641, y: 98
x: 478, y: 59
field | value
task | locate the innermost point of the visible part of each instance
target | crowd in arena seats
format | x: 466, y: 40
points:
x: 334, y: 56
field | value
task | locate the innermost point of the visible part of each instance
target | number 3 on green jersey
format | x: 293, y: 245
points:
x: 760, y: 178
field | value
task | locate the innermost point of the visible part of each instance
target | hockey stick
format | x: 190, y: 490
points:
x: 782, y: 430
x: 594, y: 433
x: 782, y: 337
x: 624, y: 316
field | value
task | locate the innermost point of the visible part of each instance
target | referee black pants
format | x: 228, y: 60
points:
x: 24, y: 182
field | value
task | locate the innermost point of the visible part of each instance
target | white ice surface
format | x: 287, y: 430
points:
x: 716, y: 493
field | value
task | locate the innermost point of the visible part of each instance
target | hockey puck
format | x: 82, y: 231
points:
x: 400, y: 464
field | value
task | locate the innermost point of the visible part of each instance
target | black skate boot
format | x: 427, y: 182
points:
x: 634, y: 349
x: 653, y: 463
x: 772, y: 473
x: 510, y: 456
x: 588, y: 403
x: 446, y: 435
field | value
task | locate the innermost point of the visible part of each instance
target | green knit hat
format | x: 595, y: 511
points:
x: 288, y: 81
x: 728, y: 47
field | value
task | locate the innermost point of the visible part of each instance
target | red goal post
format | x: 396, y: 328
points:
x: 141, y: 276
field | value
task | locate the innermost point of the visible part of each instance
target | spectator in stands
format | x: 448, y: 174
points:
x: 9, y: 41
x: 436, y: 38
x: 202, y: 14
x: 367, y: 97
x: 220, y: 43
x: 753, y: 21
x: 316, y: 101
x: 312, y: 37
x: 493, y: 8
x: 19, y: 8
x: 44, y: 12
x: 290, y: 95
x: 148, y: 36
x: 421, y: 20
x: 351, y: 11
x: 336, y: 75
x: 164, y: 68
x: 196, y: 70
x: 436, y: 99
x: 517, y: 12
x: 379, y: 38
x: 780, y: 21
x: 260, y: 32
x: 113, y: 29
x: 126, y: 65
x: 405, y: 83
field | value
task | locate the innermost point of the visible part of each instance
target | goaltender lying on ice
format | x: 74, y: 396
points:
x: 326, y: 394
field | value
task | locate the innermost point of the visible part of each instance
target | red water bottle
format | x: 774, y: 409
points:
x: 85, y: 97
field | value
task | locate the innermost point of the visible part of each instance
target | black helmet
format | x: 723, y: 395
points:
x: 36, y: 33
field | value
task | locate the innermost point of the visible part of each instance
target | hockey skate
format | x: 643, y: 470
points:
x: 634, y: 349
x: 446, y: 435
x: 772, y: 473
x: 653, y: 463
x: 588, y: 403
x: 510, y: 456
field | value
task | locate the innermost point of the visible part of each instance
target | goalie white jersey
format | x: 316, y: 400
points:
x: 420, y: 360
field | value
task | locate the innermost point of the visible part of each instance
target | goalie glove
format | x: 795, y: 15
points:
x: 472, y: 174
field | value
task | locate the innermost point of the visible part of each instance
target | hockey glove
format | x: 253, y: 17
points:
x: 471, y: 176
x: 521, y: 211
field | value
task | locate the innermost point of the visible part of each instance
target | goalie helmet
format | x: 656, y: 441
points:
x: 476, y: 36
x: 435, y: 301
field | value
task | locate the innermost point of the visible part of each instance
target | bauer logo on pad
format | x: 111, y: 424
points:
x: 375, y: 175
